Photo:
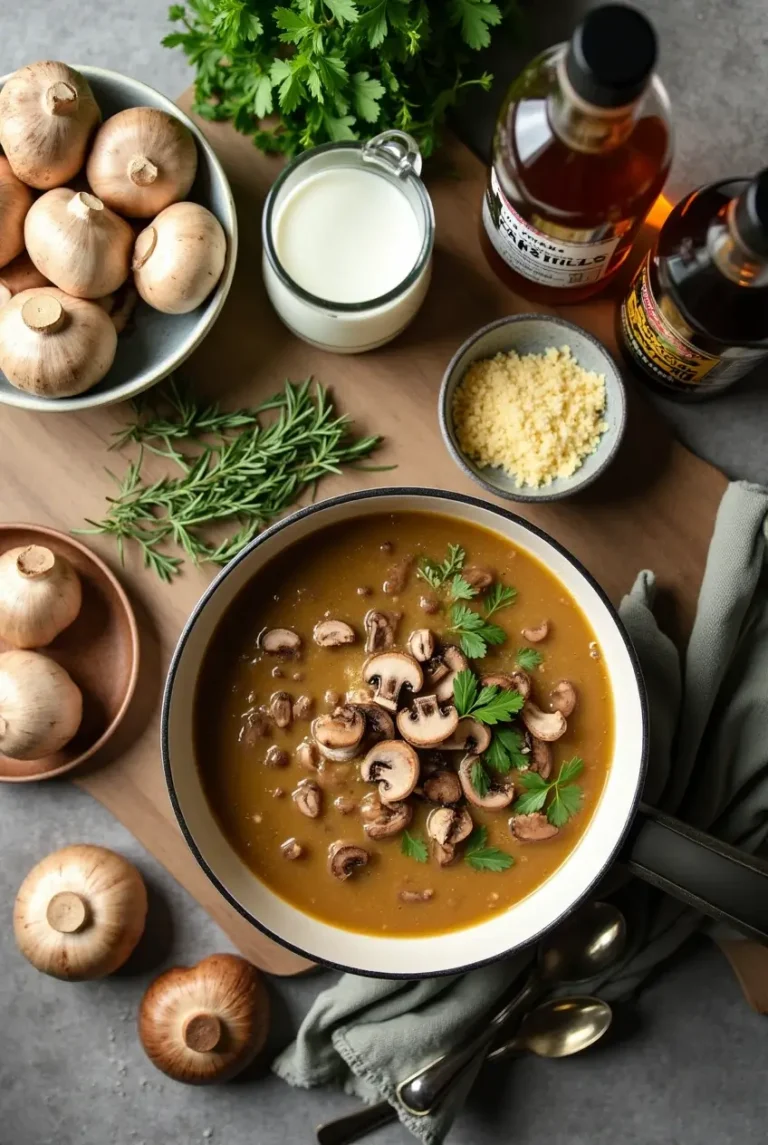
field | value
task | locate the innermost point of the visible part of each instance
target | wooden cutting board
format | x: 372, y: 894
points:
x: 655, y: 508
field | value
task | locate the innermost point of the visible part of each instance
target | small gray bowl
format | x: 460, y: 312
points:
x: 533, y: 334
x: 156, y: 343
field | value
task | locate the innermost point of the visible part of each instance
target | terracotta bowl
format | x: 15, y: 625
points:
x: 100, y: 650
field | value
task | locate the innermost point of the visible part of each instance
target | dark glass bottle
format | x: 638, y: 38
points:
x: 582, y: 148
x: 695, y: 319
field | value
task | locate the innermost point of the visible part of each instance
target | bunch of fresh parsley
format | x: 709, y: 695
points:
x: 334, y: 69
x: 472, y: 629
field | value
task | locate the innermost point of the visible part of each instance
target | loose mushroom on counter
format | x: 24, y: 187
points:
x: 205, y: 1023
x: 80, y: 913
x: 394, y: 766
x: 391, y: 672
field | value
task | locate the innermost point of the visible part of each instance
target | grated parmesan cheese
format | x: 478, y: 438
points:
x: 537, y: 416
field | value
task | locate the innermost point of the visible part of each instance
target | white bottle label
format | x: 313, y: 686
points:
x: 538, y: 256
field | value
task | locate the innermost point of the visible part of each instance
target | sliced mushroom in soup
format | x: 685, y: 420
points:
x: 416, y: 795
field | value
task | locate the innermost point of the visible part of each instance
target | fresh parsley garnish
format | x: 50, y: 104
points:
x: 475, y: 633
x: 506, y: 751
x: 437, y: 574
x: 413, y: 847
x: 489, y: 705
x: 483, y: 858
x: 460, y: 589
x: 563, y: 794
x: 528, y: 658
x: 479, y: 779
x: 499, y: 596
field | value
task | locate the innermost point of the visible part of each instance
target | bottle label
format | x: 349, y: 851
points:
x: 540, y: 257
x: 664, y: 352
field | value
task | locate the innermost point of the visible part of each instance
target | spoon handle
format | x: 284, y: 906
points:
x: 344, y: 1130
x: 423, y: 1090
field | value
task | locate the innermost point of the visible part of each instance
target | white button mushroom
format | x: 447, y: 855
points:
x: 394, y: 766
x: 426, y: 724
x: 390, y: 672
x: 80, y: 912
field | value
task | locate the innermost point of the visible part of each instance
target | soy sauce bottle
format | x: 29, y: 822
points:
x: 695, y: 319
x: 583, y: 145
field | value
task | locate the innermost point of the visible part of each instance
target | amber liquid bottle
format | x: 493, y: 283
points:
x: 582, y: 148
x: 695, y: 319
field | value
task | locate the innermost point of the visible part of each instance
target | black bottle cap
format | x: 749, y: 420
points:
x: 611, y: 56
x: 750, y: 215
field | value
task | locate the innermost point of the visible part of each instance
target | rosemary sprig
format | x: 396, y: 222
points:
x: 241, y: 471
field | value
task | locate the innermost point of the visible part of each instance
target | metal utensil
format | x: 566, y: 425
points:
x: 556, y: 1029
x: 584, y: 945
x: 559, y: 1028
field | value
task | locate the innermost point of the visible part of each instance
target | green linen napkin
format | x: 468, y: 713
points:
x: 708, y: 764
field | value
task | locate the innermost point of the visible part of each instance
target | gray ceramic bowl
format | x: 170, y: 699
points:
x: 156, y: 343
x: 532, y: 334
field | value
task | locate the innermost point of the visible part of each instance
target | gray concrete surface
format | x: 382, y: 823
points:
x: 690, y: 1066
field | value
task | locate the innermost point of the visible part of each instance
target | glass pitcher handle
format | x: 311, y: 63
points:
x: 396, y: 151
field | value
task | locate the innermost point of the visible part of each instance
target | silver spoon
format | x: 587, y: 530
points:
x: 556, y: 1029
x: 584, y: 945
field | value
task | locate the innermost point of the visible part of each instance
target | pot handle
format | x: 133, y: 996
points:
x: 713, y: 877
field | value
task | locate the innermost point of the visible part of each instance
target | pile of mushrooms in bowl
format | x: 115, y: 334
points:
x: 118, y: 237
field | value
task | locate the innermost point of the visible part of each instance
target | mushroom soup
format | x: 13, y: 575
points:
x: 403, y: 724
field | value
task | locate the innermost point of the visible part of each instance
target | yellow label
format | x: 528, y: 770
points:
x: 654, y: 341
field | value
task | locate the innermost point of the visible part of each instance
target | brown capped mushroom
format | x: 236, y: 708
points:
x: 255, y: 726
x: 517, y: 680
x: 536, y: 634
x: 562, y: 698
x: 380, y: 628
x: 302, y: 707
x: 394, y: 766
x: 498, y: 796
x: 470, y: 737
x: 390, y: 672
x: 205, y: 1023
x: 546, y: 726
x: 276, y: 757
x: 345, y: 804
x: 378, y: 722
x: 308, y: 755
x: 291, y: 849
x: 426, y: 724
x: 416, y: 896
x: 281, y: 709
x: 371, y: 807
x: 390, y: 821
x: 346, y: 858
x: 397, y: 576
x: 533, y: 828
x: 446, y: 827
x: 339, y: 734
x: 442, y: 787
x: 455, y: 661
x: 333, y: 633
x: 280, y: 642
x: 429, y: 604
x: 541, y: 757
x: 421, y: 644
x: 478, y: 578
x: 308, y: 798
